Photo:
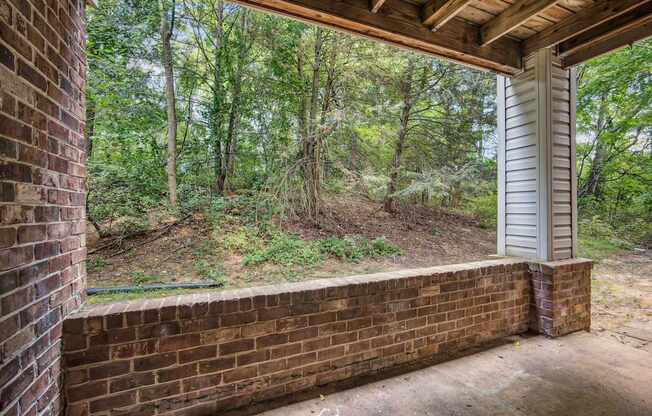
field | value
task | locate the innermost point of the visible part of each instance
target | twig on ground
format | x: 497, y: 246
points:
x: 161, y: 231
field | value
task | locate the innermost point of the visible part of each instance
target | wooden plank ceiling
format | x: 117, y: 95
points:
x: 489, y: 34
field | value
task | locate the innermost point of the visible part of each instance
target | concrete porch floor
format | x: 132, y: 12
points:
x: 579, y: 374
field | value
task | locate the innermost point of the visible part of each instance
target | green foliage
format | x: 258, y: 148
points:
x: 286, y: 250
x: 354, y: 249
x: 598, y: 239
x: 615, y: 154
x: 212, y: 272
x: 95, y: 264
x: 485, y: 209
x: 289, y: 250
x: 142, y: 279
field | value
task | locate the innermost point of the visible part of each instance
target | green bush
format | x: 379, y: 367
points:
x: 286, y: 250
x: 354, y: 249
x: 485, y: 209
x: 290, y: 250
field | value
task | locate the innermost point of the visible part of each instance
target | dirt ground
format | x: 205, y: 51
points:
x: 622, y: 298
x: 425, y: 236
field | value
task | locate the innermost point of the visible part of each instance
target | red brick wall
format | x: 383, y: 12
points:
x: 209, y: 352
x: 41, y: 195
x: 561, y: 296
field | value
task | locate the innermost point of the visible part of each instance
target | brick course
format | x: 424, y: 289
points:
x: 41, y: 245
x: 208, y: 352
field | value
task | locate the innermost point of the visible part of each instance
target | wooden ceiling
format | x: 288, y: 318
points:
x: 489, y: 34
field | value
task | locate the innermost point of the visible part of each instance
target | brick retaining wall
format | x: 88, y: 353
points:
x: 199, y: 354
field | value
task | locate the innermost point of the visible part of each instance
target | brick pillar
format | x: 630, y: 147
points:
x: 42, y: 219
x: 561, y: 297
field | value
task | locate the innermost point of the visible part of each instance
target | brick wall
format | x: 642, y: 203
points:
x: 41, y: 196
x: 561, y: 296
x: 204, y: 353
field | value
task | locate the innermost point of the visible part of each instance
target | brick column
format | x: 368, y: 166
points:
x: 42, y: 218
x: 561, y: 297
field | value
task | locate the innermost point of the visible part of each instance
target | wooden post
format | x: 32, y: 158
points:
x: 537, y: 190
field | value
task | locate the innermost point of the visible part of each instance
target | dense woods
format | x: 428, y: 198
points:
x: 197, y: 105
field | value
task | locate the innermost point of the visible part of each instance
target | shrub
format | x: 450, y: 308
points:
x: 354, y: 249
x: 485, y: 209
x: 286, y: 250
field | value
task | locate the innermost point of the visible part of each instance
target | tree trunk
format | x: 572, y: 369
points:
x: 230, y: 145
x: 89, y: 132
x: 390, y: 204
x: 218, y: 99
x: 166, y: 60
x: 593, y: 185
x: 312, y: 142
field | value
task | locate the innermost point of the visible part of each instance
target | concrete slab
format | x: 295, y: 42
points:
x: 580, y: 374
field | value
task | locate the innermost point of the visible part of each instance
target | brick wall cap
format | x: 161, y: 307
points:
x: 560, y: 265
x: 90, y: 311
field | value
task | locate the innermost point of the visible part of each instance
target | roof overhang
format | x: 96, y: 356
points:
x: 497, y: 43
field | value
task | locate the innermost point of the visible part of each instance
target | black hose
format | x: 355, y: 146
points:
x: 126, y: 289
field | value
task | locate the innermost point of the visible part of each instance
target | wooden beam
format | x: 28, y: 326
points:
x: 437, y: 13
x: 511, y: 18
x: 580, y: 22
x: 400, y: 24
x: 613, y: 27
x: 616, y: 42
x: 376, y: 5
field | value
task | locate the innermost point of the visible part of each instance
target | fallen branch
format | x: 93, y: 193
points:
x: 161, y: 231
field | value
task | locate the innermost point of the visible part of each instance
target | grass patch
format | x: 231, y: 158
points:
x: 142, y: 279
x: 599, y: 248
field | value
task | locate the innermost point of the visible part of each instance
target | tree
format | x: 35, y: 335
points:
x: 614, y: 113
x: 166, y: 30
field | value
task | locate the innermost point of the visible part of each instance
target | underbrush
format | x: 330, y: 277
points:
x: 599, y: 240
x: 239, y: 228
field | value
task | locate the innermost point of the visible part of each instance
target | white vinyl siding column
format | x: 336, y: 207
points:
x: 536, y: 161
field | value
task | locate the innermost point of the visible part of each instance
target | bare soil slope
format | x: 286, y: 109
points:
x: 183, y: 252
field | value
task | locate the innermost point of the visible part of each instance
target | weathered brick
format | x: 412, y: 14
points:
x: 197, y: 354
x: 159, y: 391
x: 219, y: 364
x: 87, y: 391
x: 240, y: 374
x: 155, y: 361
x: 112, y: 402
x: 131, y: 381
x: 236, y: 346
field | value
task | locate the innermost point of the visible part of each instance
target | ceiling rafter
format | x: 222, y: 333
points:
x: 399, y: 23
x: 580, y: 22
x: 513, y: 17
x: 437, y: 13
x: 613, y: 27
x: 615, y: 42
x: 376, y: 5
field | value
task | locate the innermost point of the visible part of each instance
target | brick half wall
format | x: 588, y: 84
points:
x: 200, y: 354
